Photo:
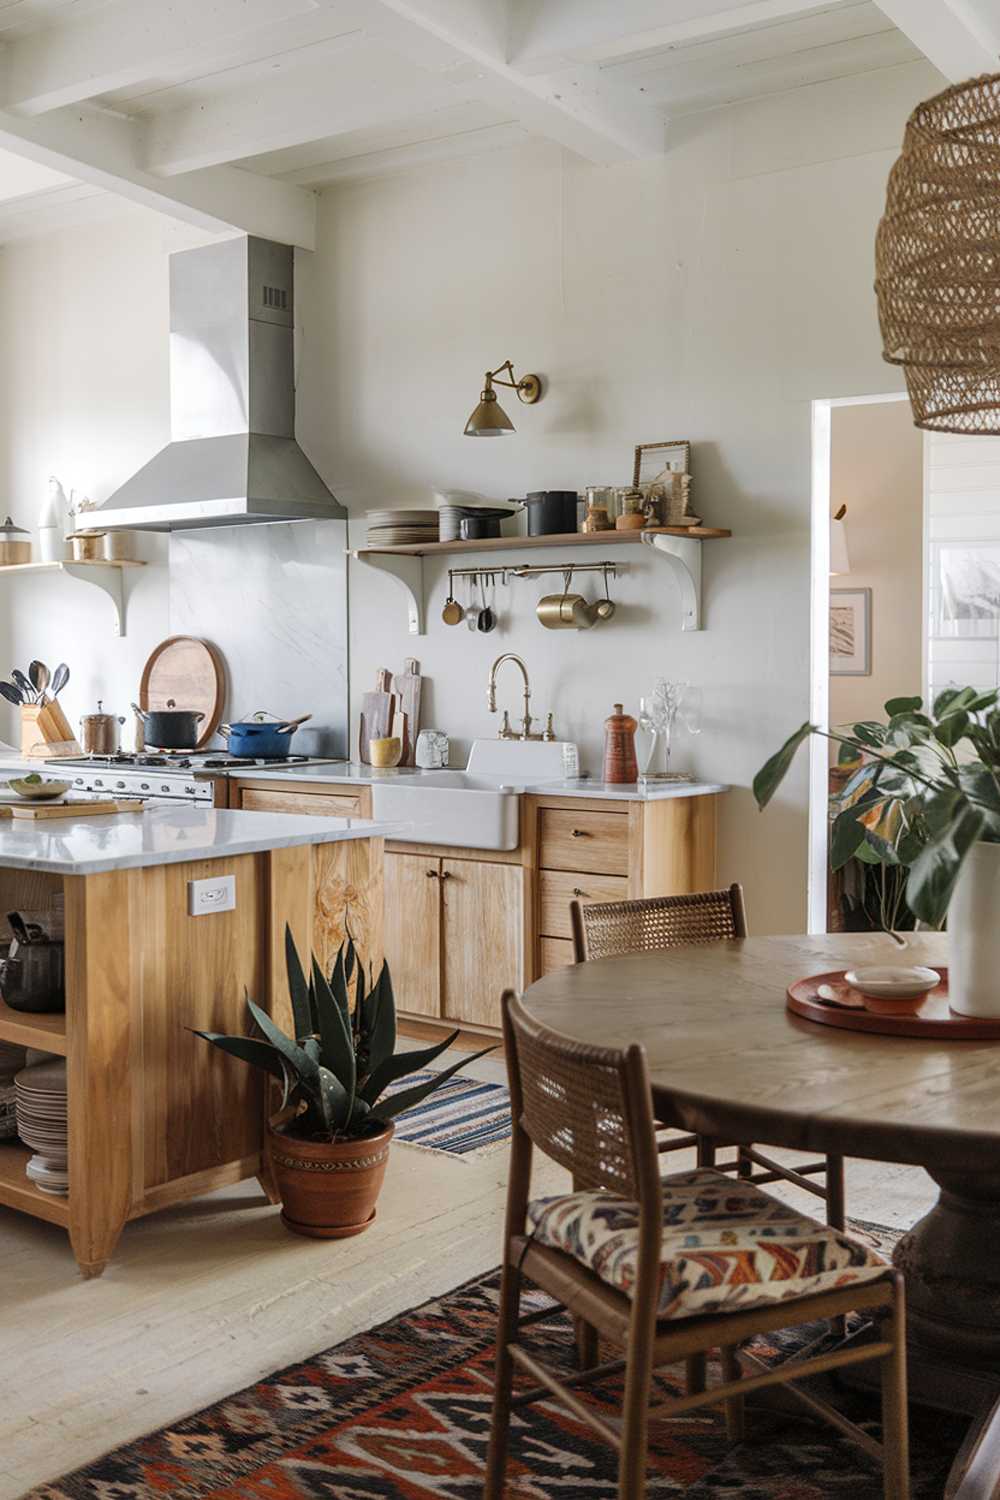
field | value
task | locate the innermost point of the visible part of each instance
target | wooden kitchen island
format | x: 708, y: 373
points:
x: 155, y: 1114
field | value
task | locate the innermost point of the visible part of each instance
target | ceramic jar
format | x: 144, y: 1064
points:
x: 974, y: 934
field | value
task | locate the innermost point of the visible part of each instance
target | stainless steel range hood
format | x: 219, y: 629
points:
x: 233, y: 460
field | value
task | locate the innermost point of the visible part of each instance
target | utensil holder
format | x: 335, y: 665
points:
x: 46, y: 732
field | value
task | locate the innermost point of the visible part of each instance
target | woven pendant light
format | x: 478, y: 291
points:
x: 937, y: 260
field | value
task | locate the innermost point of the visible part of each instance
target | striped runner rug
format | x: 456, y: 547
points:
x: 464, y: 1117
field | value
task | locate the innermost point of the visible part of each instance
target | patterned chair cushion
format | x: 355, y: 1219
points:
x: 727, y: 1245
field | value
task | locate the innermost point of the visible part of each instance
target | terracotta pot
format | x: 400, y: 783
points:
x: 328, y: 1190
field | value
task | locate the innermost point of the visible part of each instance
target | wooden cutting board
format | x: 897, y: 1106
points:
x: 407, y: 686
x: 378, y: 710
x: 185, y: 672
x: 37, y: 811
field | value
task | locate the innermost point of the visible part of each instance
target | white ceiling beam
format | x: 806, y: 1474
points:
x: 598, y: 117
x: 291, y: 107
x: 96, y: 147
x: 563, y: 31
x: 126, y: 43
x: 389, y: 159
x: 960, y: 37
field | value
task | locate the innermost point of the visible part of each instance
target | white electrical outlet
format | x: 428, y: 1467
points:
x: 206, y: 896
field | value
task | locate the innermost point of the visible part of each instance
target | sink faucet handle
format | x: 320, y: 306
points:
x: 505, y: 732
x: 549, y: 733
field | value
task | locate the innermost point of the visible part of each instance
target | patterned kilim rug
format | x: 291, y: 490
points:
x: 402, y: 1413
x: 463, y: 1117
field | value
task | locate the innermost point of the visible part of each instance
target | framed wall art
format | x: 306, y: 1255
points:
x: 850, y: 632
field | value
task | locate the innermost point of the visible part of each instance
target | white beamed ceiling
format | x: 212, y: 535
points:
x: 229, y: 113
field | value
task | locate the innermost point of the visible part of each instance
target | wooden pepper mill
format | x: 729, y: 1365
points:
x: 620, y: 764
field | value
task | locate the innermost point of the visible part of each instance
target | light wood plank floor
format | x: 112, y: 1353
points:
x: 205, y: 1298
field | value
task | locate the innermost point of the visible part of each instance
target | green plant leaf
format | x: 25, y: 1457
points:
x: 298, y: 989
x: 248, y: 1049
x: 305, y: 1066
x: 846, y: 837
x: 870, y: 733
x: 949, y: 730
x: 334, y: 1101
x: 772, y: 773
x: 407, y: 1098
x: 381, y: 1027
x: 903, y: 706
x: 935, y: 870
x: 399, y: 1065
x: 944, y: 700
x: 335, y: 1034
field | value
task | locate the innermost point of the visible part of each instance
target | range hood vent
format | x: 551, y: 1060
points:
x: 233, y: 459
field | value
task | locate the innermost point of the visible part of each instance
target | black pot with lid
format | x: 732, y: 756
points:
x: 551, y: 512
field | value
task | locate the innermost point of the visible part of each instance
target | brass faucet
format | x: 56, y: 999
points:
x: 505, y: 731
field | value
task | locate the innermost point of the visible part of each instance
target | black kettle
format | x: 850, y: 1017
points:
x: 32, y: 972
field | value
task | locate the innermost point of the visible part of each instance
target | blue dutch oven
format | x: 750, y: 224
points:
x: 260, y: 739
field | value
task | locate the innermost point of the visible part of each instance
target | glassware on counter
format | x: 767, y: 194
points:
x: 658, y: 714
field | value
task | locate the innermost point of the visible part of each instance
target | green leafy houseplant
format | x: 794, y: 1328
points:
x: 927, y: 790
x: 335, y: 1069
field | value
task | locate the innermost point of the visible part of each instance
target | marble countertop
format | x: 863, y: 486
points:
x: 348, y: 773
x: 167, y: 834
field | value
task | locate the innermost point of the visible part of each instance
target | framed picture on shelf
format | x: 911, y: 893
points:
x: 653, y: 460
x: 850, y: 632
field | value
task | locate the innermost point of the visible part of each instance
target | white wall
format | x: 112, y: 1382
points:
x: 711, y: 295
x: 877, y: 471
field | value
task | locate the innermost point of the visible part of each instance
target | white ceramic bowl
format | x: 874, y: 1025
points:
x: 893, y: 982
x: 39, y: 791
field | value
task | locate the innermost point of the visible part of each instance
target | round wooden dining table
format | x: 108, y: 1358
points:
x: 728, y: 1060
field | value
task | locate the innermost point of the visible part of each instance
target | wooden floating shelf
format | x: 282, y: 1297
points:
x: 25, y: 1029
x: 560, y: 539
x: 678, y: 546
x: 103, y: 575
x: 18, y: 1191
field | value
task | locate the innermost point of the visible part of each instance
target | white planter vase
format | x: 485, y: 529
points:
x: 974, y: 934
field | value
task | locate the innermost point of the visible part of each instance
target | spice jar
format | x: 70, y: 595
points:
x: 620, y: 764
x: 15, y: 544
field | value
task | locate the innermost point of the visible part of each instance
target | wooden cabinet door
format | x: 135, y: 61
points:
x: 315, y: 804
x: 483, y: 935
x: 413, y: 931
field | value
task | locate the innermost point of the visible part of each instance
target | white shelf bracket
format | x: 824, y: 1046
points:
x: 409, y: 574
x: 109, y: 579
x: 683, y: 555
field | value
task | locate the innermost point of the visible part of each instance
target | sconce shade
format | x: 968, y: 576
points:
x: 840, y: 561
x: 489, y: 418
x: 937, y: 260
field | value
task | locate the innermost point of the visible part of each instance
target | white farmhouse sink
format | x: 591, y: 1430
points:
x: 472, y: 812
x: 528, y: 760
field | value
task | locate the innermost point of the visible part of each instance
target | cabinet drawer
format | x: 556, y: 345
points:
x: 315, y: 804
x: 557, y: 888
x: 554, y: 953
x: 591, y: 841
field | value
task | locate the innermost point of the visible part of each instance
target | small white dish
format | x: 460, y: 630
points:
x: 893, y: 982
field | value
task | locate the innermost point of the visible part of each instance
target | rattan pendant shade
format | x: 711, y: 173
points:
x: 937, y: 260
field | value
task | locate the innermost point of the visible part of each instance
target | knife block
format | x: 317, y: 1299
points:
x: 46, y: 732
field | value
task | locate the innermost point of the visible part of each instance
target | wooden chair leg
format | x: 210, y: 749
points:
x: 744, y: 1166
x: 735, y: 1414
x: 697, y: 1373
x: 586, y: 1344
x: 835, y: 1197
x: 895, y: 1429
x: 496, y: 1459
x: 706, y: 1151
x: 635, y: 1420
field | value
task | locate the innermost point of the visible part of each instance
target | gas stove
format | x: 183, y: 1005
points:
x: 172, y: 774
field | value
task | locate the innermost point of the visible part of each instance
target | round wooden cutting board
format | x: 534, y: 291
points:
x: 191, y: 673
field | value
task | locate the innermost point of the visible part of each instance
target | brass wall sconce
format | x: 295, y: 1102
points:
x: 489, y: 418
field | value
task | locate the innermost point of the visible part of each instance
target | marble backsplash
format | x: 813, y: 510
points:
x: 274, y: 600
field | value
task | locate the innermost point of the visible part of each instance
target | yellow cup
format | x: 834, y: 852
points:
x: 385, y: 753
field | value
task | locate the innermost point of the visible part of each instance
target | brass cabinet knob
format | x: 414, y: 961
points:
x: 433, y: 875
x: 445, y: 874
x: 580, y: 833
x: 577, y: 891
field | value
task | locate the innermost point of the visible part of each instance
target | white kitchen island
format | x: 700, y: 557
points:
x: 156, y: 1115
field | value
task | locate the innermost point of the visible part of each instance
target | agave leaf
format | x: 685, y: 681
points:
x: 304, y: 1065
x: 772, y: 773
x: 334, y: 1101
x: 399, y: 1065
x: 335, y: 1034
x: 298, y: 989
x: 337, y: 983
x: 935, y: 870
x: 407, y: 1098
x: 382, y: 1022
x: 249, y: 1049
x: 351, y: 957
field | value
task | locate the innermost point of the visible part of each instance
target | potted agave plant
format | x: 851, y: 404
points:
x: 329, y: 1144
x: 927, y: 797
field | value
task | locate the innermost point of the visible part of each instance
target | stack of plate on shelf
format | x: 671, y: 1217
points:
x: 43, y: 1123
x: 11, y: 1061
x: 400, y: 528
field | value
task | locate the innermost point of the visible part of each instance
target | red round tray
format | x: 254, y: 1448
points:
x: 844, y: 1008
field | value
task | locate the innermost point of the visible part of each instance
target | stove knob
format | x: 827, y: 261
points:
x: 120, y: 784
x: 144, y: 786
x: 79, y: 781
x: 165, y: 788
x: 191, y: 791
x: 98, y: 781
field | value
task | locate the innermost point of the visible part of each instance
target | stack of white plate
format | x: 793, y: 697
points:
x: 43, y: 1123
x: 400, y: 528
x: 11, y: 1061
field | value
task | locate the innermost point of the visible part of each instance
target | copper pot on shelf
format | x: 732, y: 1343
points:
x: 99, y: 732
